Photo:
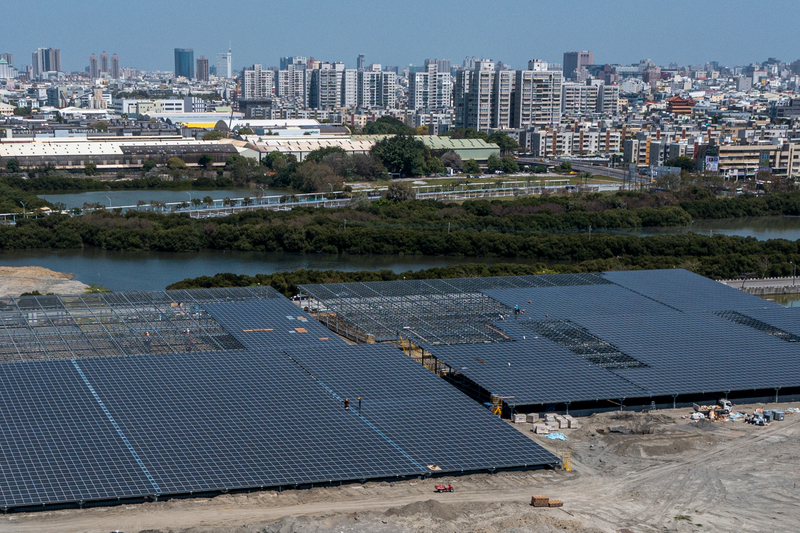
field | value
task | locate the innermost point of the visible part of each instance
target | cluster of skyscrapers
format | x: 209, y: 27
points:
x: 200, y: 70
x: 104, y: 66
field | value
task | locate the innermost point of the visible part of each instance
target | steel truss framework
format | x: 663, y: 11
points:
x: 116, y: 324
x: 442, y: 311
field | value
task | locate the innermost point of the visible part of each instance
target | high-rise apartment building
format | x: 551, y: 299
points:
x: 360, y: 62
x: 460, y: 95
x: 291, y: 84
x: 575, y: 61
x: 369, y: 92
x: 478, y: 113
x: 184, y: 63
x: 9, y: 58
x: 429, y: 88
x: 443, y: 65
x: 349, y: 88
x: 537, y: 96
x: 224, y: 65
x: 389, y: 89
x: 257, y: 83
x: 94, y: 67
x: 104, y: 63
x: 201, y: 73
x: 502, y: 98
x: 325, y: 91
x: 46, y: 60
x: 608, y: 100
x: 579, y: 99
x: 114, y: 70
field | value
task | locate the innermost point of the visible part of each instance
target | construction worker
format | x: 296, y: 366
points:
x: 147, y: 341
x: 188, y: 340
x: 359, y: 404
x: 516, y: 309
x: 347, y: 404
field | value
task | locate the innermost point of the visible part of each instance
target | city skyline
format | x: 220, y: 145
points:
x: 448, y: 31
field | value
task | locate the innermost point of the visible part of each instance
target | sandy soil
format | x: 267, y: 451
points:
x: 16, y: 280
x: 668, y: 474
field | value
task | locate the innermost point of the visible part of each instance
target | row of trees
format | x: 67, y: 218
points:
x: 717, y: 256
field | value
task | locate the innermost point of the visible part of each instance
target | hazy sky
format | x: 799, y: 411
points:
x: 144, y: 32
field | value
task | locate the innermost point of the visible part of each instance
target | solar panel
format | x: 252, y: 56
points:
x: 429, y: 419
x: 699, y: 352
x: 685, y: 291
x: 534, y: 371
x: 206, y: 422
x: 270, y: 324
x: 56, y: 443
x: 576, y: 301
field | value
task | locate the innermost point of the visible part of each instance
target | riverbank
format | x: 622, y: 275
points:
x: 15, y: 281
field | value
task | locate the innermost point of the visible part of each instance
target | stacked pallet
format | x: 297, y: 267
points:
x: 573, y: 423
x: 518, y: 419
x: 532, y: 418
x: 541, y: 429
x: 556, y: 503
x: 538, y: 500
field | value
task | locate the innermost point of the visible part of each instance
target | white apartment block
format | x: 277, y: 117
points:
x: 502, y: 95
x: 369, y: 90
x: 257, y: 84
x: 292, y: 86
x: 608, y: 100
x: 325, y: 91
x: 430, y: 88
x: 134, y: 108
x: 479, y: 101
x: 579, y: 99
x: 537, y: 96
x: 554, y: 143
x: 349, y: 88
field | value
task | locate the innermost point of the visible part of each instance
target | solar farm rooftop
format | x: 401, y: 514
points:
x: 118, y: 397
x: 580, y: 338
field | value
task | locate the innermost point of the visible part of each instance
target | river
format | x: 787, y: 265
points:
x: 762, y: 228
x: 121, y: 271
x: 132, y: 271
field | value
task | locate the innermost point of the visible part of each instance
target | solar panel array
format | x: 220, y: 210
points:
x: 116, y: 324
x: 267, y: 413
x: 440, y: 311
x: 639, y: 333
x: 416, y: 412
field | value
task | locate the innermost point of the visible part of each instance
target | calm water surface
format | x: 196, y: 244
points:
x: 130, y: 271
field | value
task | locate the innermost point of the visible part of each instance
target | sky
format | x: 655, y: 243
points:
x: 144, y: 33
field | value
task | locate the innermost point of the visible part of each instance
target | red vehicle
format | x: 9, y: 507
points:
x: 444, y: 488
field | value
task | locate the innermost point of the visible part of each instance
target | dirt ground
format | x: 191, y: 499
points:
x: 16, y: 280
x: 667, y: 474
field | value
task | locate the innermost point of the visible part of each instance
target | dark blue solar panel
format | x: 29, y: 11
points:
x: 211, y: 422
x: 686, y: 291
x: 575, y: 301
x: 56, y: 443
x: 699, y: 352
x: 430, y: 420
x: 534, y: 371
x: 271, y: 323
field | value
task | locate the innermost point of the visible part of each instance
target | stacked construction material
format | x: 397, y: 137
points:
x: 556, y: 503
x: 538, y: 500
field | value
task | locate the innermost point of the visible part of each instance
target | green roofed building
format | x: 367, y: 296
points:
x: 476, y: 149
